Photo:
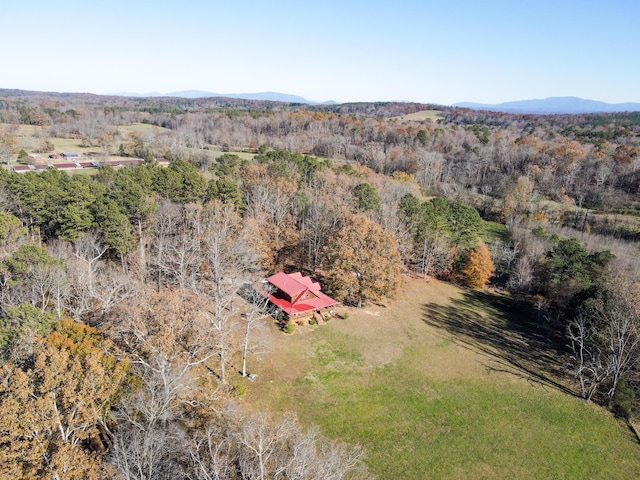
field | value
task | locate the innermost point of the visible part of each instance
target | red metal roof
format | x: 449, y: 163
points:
x: 67, y: 166
x: 303, y: 294
x: 289, y: 285
x: 134, y: 161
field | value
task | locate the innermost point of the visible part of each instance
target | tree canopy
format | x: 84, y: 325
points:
x: 367, y: 197
x: 363, y: 262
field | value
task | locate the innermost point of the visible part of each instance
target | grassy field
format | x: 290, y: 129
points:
x: 433, y: 115
x: 141, y: 127
x: 443, y: 383
x: 30, y: 137
x: 242, y: 155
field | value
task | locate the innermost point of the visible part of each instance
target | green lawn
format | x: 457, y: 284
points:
x: 494, y: 232
x: 414, y: 426
x: 428, y: 400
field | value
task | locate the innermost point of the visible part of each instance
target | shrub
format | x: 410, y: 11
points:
x: 289, y: 327
x: 625, y: 401
x: 539, y: 232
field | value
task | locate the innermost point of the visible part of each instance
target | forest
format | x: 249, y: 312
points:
x: 126, y: 294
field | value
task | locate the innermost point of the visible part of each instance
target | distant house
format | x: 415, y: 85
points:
x: 66, y: 166
x: 32, y: 168
x: 296, y: 295
x: 55, y: 156
x: 22, y: 168
x: 70, y: 154
x: 123, y: 163
x: 35, y: 157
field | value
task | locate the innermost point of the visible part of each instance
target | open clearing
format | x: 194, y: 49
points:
x: 30, y: 138
x: 433, y: 115
x: 442, y: 383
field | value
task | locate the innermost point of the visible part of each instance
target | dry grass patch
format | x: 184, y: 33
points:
x: 433, y: 115
x: 141, y: 127
x: 380, y: 334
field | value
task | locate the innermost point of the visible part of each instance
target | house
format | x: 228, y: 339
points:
x: 70, y: 154
x: 296, y: 295
x: 124, y: 163
x: 23, y: 168
x: 66, y: 166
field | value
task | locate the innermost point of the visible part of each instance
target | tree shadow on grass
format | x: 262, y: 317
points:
x: 506, y: 331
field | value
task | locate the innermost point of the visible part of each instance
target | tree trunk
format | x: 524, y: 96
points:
x: 245, y: 350
x: 142, y: 253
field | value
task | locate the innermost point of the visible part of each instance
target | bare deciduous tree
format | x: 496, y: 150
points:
x: 522, y: 274
x: 212, y: 454
x: 111, y: 287
x: 147, y: 452
x: 228, y: 257
x: 89, y: 249
x: 586, y: 362
x: 605, y: 336
x: 619, y: 332
x: 254, y: 312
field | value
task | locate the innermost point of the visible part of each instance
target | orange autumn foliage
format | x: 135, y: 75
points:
x: 479, y: 268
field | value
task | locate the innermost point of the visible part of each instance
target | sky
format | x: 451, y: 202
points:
x: 441, y: 52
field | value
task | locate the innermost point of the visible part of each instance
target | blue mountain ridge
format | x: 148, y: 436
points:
x: 554, y: 105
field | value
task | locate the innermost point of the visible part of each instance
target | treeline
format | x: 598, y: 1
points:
x: 582, y: 160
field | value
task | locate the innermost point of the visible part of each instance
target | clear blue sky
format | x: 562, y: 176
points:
x: 426, y: 51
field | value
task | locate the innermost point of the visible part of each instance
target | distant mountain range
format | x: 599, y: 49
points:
x: 551, y: 105
x: 269, y: 96
x: 570, y: 105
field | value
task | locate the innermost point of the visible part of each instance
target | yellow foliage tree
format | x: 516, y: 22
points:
x: 516, y: 201
x: 479, y: 268
x: 51, y: 411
